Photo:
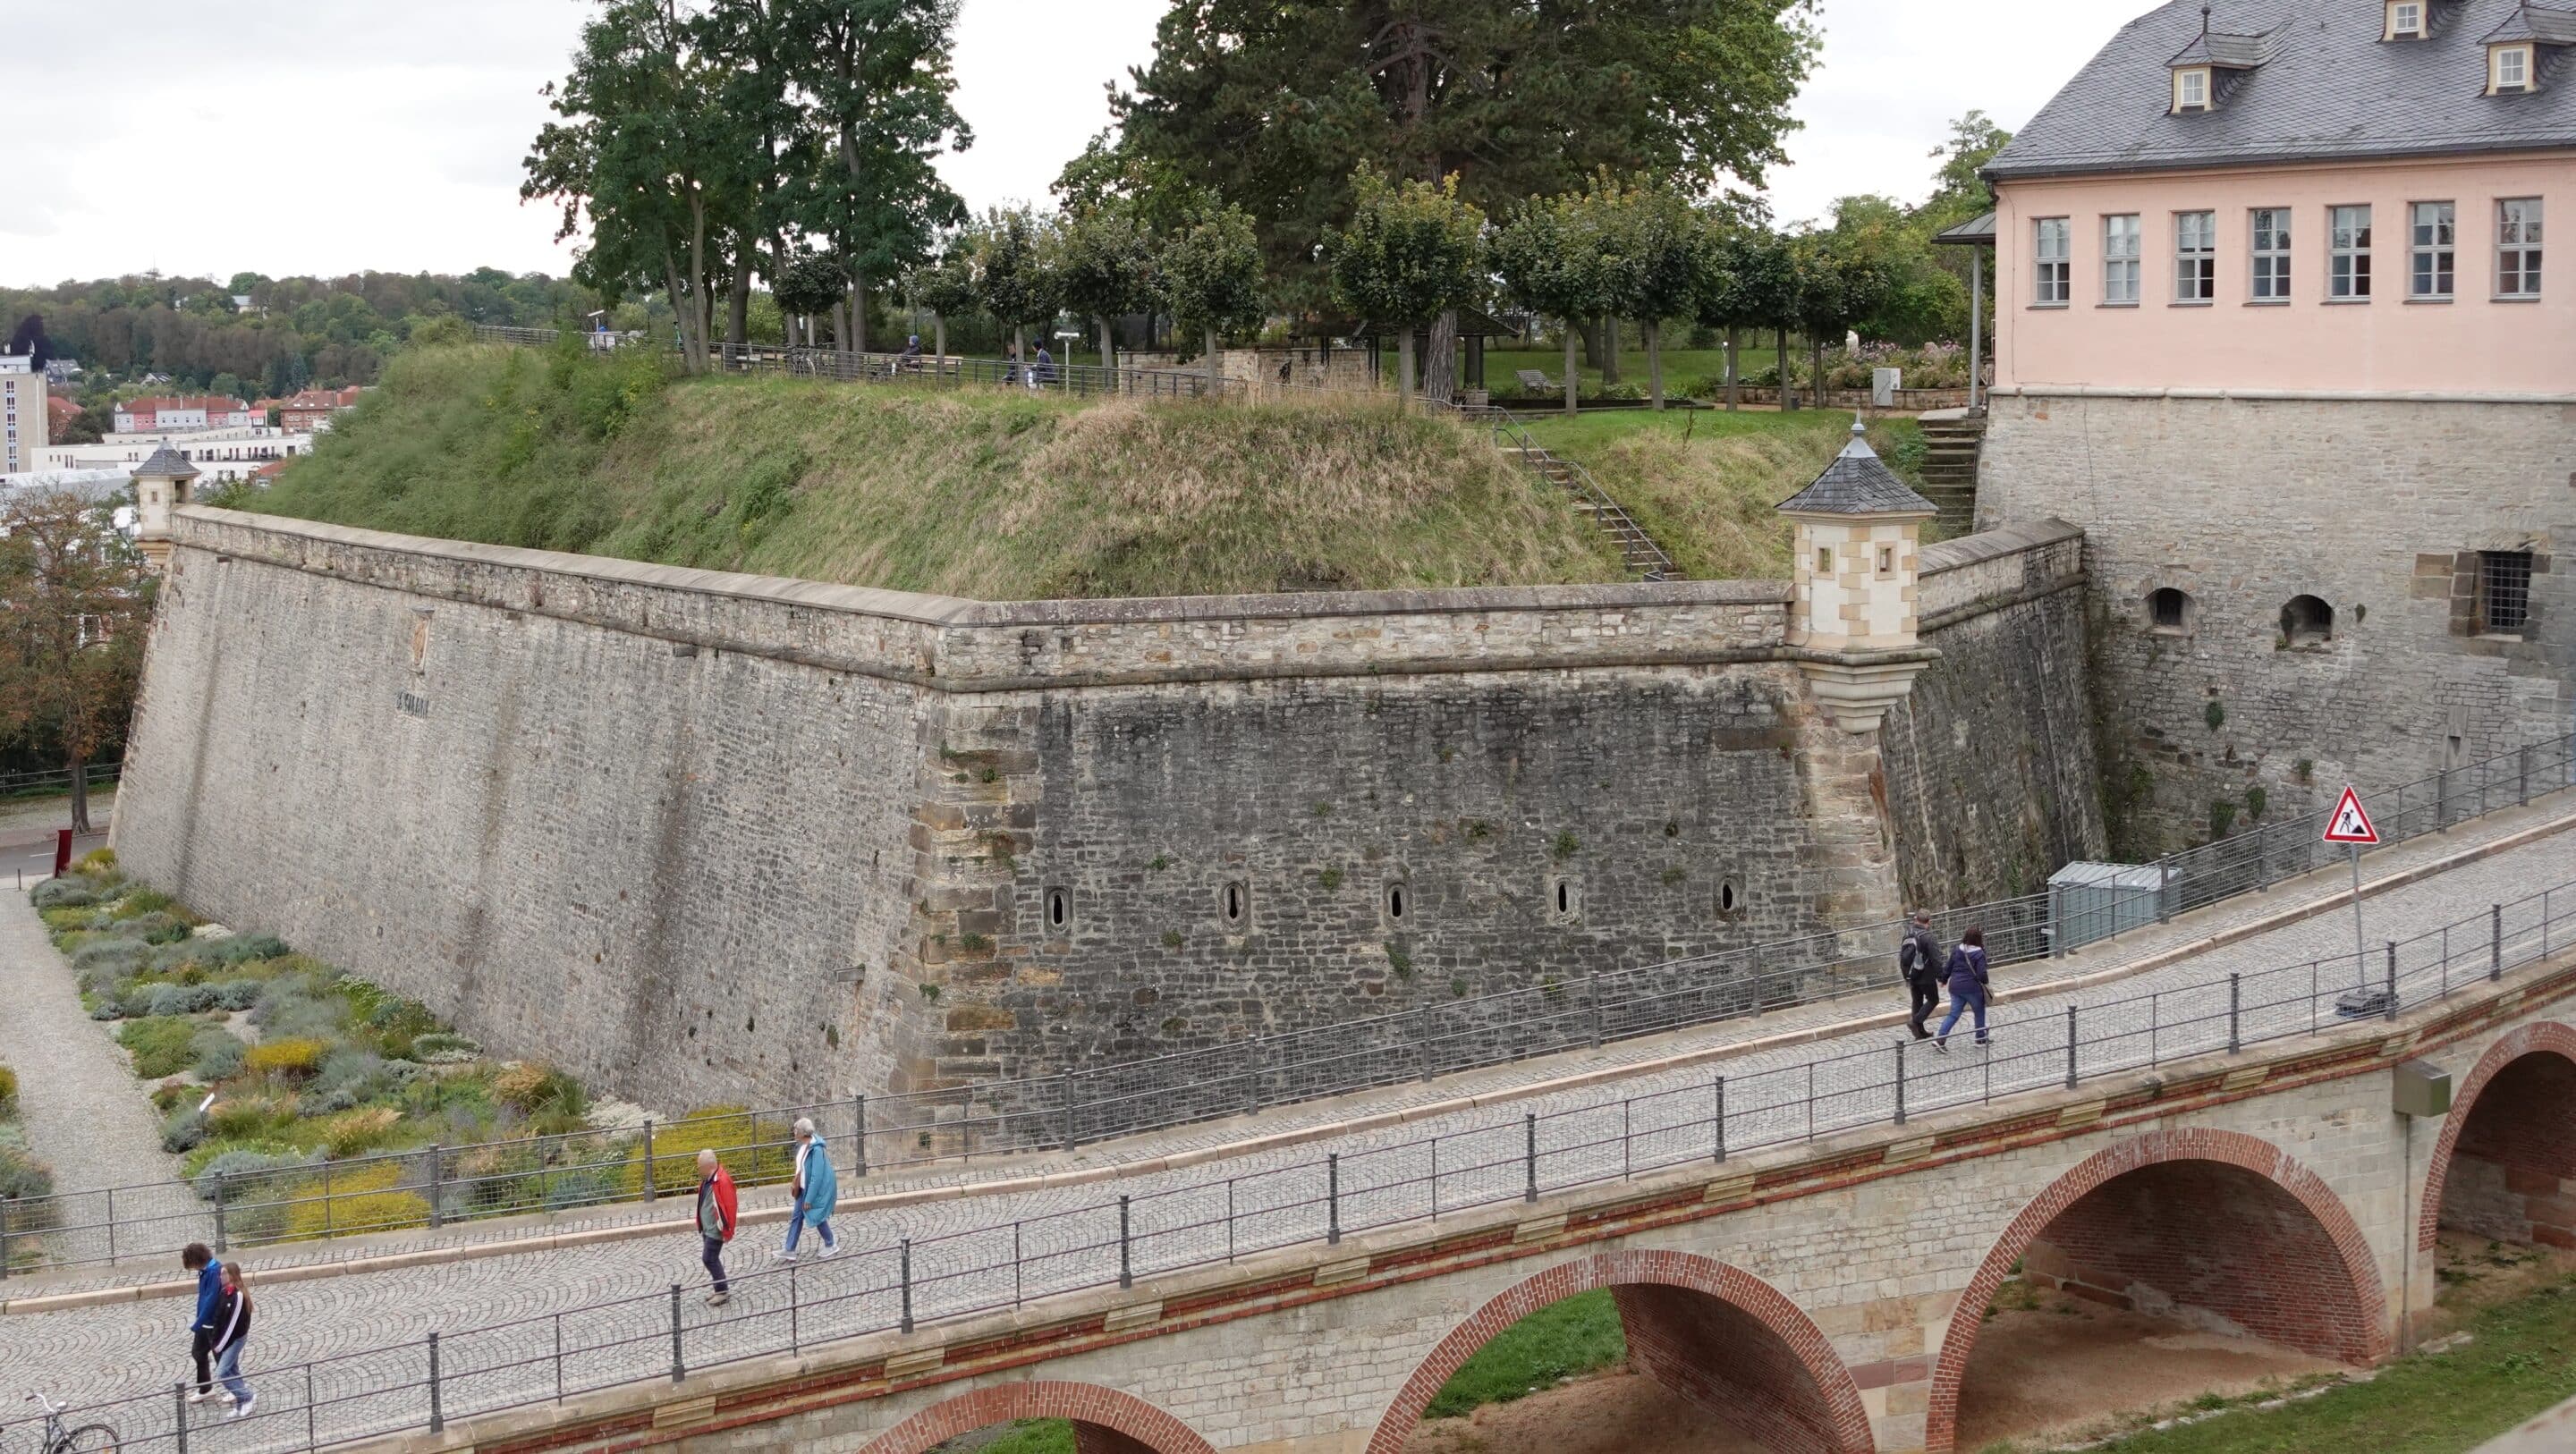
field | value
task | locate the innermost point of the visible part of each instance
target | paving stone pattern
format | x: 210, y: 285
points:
x: 962, y: 1254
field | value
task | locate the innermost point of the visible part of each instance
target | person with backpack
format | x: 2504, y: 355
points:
x: 232, y: 1332
x: 1967, y: 974
x: 718, y: 1210
x: 1918, y: 960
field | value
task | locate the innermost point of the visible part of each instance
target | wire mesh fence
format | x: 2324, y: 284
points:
x: 423, y: 1384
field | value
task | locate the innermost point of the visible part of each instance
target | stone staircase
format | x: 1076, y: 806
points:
x: 1636, y: 547
x: 1953, y: 440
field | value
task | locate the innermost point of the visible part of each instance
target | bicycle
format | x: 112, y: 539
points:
x: 87, y: 1439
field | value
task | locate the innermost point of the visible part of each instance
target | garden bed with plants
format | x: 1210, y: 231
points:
x: 25, y: 1182
x: 306, y: 1102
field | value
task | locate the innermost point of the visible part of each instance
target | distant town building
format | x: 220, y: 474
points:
x: 312, y: 409
x: 61, y: 370
x: 60, y: 413
x: 167, y: 413
x: 22, y: 413
x: 219, y: 454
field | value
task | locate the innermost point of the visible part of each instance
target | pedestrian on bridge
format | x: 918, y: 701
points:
x: 718, y: 1210
x: 232, y: 1334
x: 1967, y: 972
x: 210, y: 1299
x: 816, y: 1189
x: 1918, y: 960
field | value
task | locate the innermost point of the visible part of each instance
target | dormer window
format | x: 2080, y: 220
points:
x: 2509, y: 69
x: 2405, y: 20
x: 2191, y: 89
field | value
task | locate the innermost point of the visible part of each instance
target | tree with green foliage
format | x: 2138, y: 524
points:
x: 1412, y: 251
x: 946, y: 286
x: 1760, y: 289
x: 1549, y: 257
x: 1839, y: 284
x: 74, y: 603
x: 639, y: 159
x: 811, y: 284
x: 1655, y: 259
x: 1107, y: 260
x: 879, y: 83
x: 1016, y: 277
x: 1275, y: 103
x: 1211, y: 277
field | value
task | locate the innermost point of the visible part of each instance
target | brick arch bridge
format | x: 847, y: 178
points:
x: 1854, y: 1267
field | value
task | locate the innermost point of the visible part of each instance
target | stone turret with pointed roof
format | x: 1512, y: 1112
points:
x: 161, y: 484
x: 1852, y: 614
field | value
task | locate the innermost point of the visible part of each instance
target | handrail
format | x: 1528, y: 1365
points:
x: 1320, y: 1201
x: 1063, y: 1110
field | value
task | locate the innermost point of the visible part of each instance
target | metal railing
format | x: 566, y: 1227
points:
x: 55, y: 779
x: 436, y: 1185
x: 668, y: 1334
x: 1081, y: 380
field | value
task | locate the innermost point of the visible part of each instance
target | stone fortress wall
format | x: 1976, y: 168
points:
x: 708, y: 837
x: 2376, y: 505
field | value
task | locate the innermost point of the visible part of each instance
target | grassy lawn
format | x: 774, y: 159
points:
x: 989, y: 494
x: 1560, y: 1341
x: 2520, y: 1358
x: 1706, y: 484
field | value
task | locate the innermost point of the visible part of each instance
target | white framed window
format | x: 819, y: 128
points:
x: 2195, y: 257
x: 2191, y: 89
x: 2518, y: 247
x: 2348, y: 251
x: 2405, y: 20
x: 2271, y: 254
x: 2434, y: 252
x: 2508, y: 68
x: 2051, y: 257
x: 2120, y: 258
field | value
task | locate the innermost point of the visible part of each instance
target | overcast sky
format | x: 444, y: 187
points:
x: 386, y: 134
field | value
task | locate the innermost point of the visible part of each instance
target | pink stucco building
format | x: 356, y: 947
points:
x: 2275, y: 322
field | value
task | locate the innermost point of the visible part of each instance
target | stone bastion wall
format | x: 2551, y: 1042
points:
x: 700, y: 837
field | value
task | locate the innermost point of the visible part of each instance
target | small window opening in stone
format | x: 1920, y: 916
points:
x: 1726, y: 899
x: 1887, y: 560
x: 1395, y: 901
x: 1059, y: 908
x: 2307, y: 621
x: 1237, y: 903
x: 2165, y: 609
x: 1824, y: 560
x: 1565, y: 899
x: 2504, y: 591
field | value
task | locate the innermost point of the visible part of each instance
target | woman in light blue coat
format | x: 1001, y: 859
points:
x: 816, y: 1189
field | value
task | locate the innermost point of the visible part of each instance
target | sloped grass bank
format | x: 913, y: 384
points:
x: 311, y: 1103
x: 913, y: 485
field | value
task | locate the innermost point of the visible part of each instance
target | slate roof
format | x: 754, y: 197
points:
x: 2217, y: 48
x: 2533, y: 22
x: 2332, y: 89
x: 1857, y: 483
x: 167, y: 464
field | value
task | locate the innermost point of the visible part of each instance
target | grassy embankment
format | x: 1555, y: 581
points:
x: 1707, y: 483
x: 990, y: 494
x: 998, y: 495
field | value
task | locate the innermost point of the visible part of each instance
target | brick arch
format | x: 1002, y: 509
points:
x: 1820, y: 1406
x: 2354, y: 1302
x: 2541, y: 1037
x: 1105, y: 1421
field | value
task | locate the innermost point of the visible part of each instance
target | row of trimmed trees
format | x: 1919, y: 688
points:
x: 1631, y: 249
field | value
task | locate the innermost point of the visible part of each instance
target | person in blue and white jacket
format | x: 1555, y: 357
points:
x: 232, y: 1332
x: 816, y: 1189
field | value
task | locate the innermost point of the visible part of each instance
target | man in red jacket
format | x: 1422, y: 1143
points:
x: 716, y: 1213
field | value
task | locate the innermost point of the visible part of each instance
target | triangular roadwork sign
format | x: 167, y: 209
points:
x: 2348, y: 823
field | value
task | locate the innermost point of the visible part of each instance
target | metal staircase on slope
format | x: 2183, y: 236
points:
x: 1637, y: 548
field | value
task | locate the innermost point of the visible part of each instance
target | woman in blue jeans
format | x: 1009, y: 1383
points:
x: 1967, y: 975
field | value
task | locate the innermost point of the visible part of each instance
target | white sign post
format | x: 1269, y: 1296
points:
x: 2349, y: 824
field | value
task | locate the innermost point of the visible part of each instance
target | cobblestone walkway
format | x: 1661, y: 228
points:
x: 78, y: 1100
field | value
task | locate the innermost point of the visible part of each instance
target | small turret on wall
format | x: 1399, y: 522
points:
x: 1852, y: 617
x: 162, y: 483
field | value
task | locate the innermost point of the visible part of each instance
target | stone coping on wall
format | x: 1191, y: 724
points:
x: 958, y: 645
x: 1994, y: 569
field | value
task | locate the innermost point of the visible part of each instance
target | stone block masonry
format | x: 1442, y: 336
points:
x: 2240, y: 700
x: 702, y: 837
